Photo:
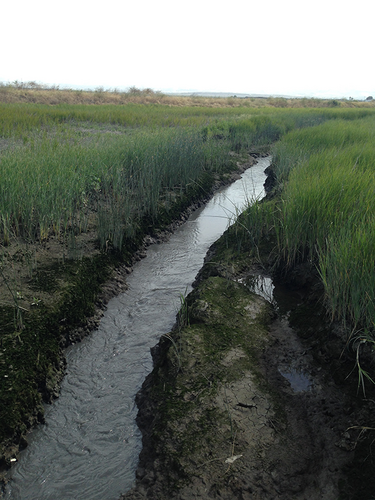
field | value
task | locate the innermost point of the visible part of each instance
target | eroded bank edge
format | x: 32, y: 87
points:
x: 185, y: 430
x: 92, y: 282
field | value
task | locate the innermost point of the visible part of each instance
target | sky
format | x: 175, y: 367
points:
x: 278, y: 47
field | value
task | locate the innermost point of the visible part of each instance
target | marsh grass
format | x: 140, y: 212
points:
x: 19, y: 119
x: 325, y: 213
x: 50, y: 186
x: 65, y: 173
x: 65, y: 178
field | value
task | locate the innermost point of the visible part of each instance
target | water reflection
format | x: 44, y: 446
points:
x: 261, y: 285
x: 299, y: 380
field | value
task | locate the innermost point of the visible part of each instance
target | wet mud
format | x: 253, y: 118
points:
x: 61, y: 299
x: 254, y: 398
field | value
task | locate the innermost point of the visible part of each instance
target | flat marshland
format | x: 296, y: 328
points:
x: 81, y: 184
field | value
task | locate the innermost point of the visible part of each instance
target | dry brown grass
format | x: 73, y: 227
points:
x: 23, y: 93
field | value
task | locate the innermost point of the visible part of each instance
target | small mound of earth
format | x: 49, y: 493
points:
x: 221, y: 415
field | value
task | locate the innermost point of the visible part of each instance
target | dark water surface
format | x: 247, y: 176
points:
x: 88, y: 448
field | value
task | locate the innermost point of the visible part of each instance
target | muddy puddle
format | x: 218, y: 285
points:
x: 89, y: 446
x: 299, y: 378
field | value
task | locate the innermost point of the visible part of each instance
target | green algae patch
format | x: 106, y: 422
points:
x: 231, y: 315
x: 211, y: 356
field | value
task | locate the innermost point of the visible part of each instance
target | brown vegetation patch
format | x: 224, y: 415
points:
x: 24, y: 92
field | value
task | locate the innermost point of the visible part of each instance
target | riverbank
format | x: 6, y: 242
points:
x: 75, y: 306
x: 251, y: 398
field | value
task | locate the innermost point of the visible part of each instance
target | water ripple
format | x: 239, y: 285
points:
x: 88, y: 449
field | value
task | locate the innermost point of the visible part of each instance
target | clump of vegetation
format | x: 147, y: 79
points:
x: 324, y: 213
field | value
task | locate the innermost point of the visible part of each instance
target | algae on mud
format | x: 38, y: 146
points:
x: 32, y: 357
x: 219, y: 419
x: 212, y: 355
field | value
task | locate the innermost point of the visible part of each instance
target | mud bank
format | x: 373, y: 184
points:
x: 252, y: 400
x: 72, y: 296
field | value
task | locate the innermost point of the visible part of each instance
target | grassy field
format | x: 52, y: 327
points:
x: 61, y: 163
x: 82, y: 183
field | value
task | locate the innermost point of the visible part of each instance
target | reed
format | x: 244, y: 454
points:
x: 347, y: 271
x: 51, y: 185
x: 325, y: 212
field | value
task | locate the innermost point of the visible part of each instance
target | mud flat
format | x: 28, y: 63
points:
x: 250, y: 398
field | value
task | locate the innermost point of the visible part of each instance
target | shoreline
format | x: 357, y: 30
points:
x: 114, y: 284
x: 269, y: 413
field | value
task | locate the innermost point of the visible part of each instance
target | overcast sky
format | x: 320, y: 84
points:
x: 292, y: 47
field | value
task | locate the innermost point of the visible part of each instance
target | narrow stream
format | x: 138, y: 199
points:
x: 88, y: 448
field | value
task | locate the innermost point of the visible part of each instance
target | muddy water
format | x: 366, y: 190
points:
x: 88, y: 449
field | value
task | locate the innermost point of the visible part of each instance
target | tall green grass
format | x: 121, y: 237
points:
x: 50, y: 185
x: 325, y: 214
x: 62, y: 173
x: 20, y: 119
x: 62, y: 178
x: 297, y: 146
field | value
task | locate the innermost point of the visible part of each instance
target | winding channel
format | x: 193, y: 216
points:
x: 89, y: 446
